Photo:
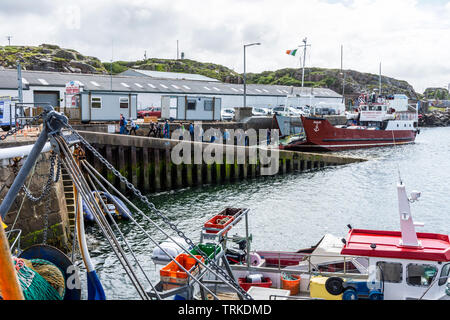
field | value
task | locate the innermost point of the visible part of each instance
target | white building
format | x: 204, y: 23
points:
x: 39, y: 87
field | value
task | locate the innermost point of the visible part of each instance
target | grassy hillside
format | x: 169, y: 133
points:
x: 53, y: 58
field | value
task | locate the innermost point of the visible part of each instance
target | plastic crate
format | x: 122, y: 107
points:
x: 213, y: 223
x: 234, y: 212
x: 267, y: 283
x: 172, y: 276
x: 211, y: 250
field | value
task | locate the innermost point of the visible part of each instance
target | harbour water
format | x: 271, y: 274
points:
x: 295, y: 211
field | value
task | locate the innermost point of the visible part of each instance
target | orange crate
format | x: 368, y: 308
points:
x: 213, y: 223
x: 267, y: 283
x: 172, y: 275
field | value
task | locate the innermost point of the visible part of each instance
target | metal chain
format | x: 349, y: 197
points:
x: 152, y: 207
x: 47, y: 210
x: 20, y: 127
x: 52, y: 178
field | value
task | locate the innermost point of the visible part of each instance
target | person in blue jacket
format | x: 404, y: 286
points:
x: 166, y: 130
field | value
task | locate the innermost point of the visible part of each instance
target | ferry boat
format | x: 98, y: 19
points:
x: 375, y: 124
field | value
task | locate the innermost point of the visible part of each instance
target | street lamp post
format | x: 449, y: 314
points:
x: 245, y: 74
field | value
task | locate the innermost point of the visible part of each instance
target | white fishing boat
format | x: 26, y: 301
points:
x: 366, y: 264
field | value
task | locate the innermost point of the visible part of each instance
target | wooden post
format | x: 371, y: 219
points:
x: 209, y: 173
x: 189, y: 180
x: 199, y: 174
x: 179, y: 176
x: 109, y: 158
x: 218, y: 173
x: 157, y: 170
x: 168, y: 165
x: 122, y: 167
x: 134, y: 177
x: 145, y: 169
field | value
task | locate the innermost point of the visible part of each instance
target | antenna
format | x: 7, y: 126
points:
x: 380, y: 80
x: 111, y: 67
x: 304, y: 46
x: 177, y: 51
x: 9, y: 40
x: 145, y: 55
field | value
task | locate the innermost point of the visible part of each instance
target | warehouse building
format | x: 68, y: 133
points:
x: 149, y: 90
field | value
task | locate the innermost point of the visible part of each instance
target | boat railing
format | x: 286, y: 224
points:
x: 311, y: 267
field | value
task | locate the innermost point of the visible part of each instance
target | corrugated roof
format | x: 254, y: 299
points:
x: 168, y: 75
x: 8, y: 80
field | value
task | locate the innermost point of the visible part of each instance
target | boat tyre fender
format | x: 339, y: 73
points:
x: 350, y: 294
x: 334, y: 286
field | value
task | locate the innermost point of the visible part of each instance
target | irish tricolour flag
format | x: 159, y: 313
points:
x: 291, y: 52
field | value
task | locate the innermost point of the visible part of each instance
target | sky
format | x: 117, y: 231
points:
x: 410, y: 38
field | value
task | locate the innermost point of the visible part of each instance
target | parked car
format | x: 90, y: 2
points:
x: 228, y: 114
x: 304, y: 110
x: 295, y: 111
x: 287, y: 111
x: 260, y: 112
x: 149, y: 112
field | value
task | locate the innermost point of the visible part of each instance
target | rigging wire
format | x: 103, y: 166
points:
x: 83, y: 189
x: 84, y: 162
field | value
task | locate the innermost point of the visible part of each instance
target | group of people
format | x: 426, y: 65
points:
x: 158, y: 130
x: 123, y: 125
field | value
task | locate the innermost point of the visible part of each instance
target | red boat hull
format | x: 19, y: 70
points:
x: 322, y: 136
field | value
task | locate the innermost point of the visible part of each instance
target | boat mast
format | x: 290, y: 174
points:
x: 380, y: 80
x: 305, y: 45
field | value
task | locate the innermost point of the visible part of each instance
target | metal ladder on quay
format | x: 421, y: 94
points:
x: 69, y: 197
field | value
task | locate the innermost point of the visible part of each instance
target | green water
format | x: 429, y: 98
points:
x: 295, y: 211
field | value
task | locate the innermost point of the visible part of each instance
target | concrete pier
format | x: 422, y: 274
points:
x: 147, y: 163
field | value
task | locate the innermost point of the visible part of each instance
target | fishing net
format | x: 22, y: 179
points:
x: 39, y: 279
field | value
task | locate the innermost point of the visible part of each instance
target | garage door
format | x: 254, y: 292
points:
x: 51, y: 97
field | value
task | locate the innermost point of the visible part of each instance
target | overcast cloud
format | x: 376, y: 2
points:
x: 410, y: 37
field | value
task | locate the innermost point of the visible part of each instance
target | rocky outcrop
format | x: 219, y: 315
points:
x: 47, y: 57
x: 435, y: 119
x: 436, y: 94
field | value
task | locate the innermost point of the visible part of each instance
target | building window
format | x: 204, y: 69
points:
x: 390, y: 272
x: 124, y: 103
x: 444, y: 275
x: 420, y: 275
x: 191, y: 104
x: 208, y: 105
x: 96, y: 102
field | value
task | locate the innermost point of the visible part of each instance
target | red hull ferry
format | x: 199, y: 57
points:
x: 322, y: 136
x: 375, y: 124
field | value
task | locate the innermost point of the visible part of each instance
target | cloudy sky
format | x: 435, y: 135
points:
x: 410, y: 37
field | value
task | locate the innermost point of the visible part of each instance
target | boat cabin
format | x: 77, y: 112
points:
x: 408, y: 265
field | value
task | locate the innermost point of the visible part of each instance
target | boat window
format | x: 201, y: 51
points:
x: 420, y: 275
x: 390, y: 272
x: 444, y: 275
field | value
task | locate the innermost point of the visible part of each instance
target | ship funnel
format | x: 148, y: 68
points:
x: 409, y: 235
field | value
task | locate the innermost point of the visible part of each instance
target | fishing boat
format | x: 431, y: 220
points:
x: 366, y: 264
x: 379, y: 123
